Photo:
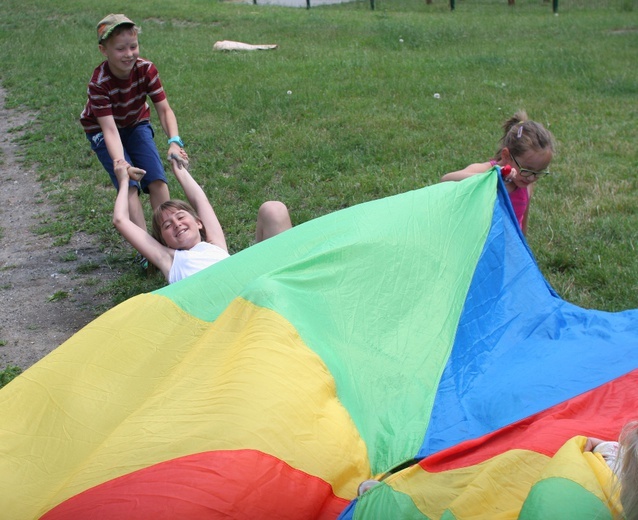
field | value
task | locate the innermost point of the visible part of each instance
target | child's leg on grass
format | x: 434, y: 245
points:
x: 158, y: 193
x: 272, y: 219
x: 140, y: 145
x: 135, y: 210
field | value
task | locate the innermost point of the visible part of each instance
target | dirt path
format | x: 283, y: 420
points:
x: 32, y: 269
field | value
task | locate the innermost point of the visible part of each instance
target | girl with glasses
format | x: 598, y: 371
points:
x: 527, y: 148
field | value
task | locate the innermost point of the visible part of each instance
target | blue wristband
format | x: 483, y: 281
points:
x: 177, y: 139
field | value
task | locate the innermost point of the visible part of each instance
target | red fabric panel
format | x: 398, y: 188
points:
x: 601, y: 413
x: 242, y: 484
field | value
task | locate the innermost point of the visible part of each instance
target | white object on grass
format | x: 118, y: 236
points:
x: 229, y: 45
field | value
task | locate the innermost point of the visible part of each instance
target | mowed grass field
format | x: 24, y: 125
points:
x: 344, y: 111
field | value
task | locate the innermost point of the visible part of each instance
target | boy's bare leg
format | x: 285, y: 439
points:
x: 272, y: 219
x: 158, y: 193
x: 135, y: 210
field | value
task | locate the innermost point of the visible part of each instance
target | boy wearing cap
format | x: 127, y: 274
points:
x: 116, y: 117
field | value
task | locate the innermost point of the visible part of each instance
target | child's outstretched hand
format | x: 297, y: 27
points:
x: 124, y: 171
x: 177, y: 165
x: 512, y: 175
x: 181, y: 159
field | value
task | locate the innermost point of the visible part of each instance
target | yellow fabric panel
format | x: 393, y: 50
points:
x: 494, y: 489
x: 170, y: 385
x: 497, y: 488
x: 587, y: 469
x: 570, y: 462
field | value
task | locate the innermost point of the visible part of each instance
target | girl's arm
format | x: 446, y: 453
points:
x: 472, y: 169
x: 159, y: 255
x: 198, y: 199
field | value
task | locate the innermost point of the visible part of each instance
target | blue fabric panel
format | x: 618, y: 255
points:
x: 520, y: 348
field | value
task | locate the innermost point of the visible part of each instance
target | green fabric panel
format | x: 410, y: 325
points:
x: 565, y: 499
x: 367, y: 288
x: 382, y: 502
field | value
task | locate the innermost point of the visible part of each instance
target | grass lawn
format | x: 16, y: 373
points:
x: 344, y: 112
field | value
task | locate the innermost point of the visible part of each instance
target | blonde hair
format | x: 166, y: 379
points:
x: 174, y: 205
x: 628, y: 474
x: 521, y: 135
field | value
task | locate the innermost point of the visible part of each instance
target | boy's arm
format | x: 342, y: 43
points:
x: 168, y: 120
x: 159, y: 255
x: 198, y: 199
x: 112, y: 138
x: 472, y: 169
x: 115, y: 148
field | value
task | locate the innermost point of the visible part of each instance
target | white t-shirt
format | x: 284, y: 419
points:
x: 191, y: 261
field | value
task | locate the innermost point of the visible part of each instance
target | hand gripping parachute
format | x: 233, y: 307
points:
x: 411, y: 339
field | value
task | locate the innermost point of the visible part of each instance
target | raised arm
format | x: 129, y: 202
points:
x: 472, y: 169
x: 159, y: 255
x: 198, y: 199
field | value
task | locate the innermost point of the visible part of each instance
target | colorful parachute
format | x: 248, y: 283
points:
x: 410, y: 339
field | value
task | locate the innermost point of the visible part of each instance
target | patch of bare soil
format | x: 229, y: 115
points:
x: 44, y: 298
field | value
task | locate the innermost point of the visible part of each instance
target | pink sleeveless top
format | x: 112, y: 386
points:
x: 520, y: 201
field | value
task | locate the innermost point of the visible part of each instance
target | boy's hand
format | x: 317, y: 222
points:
x: 124, y: 171
x: 179, y: 155
x: 135, y: 173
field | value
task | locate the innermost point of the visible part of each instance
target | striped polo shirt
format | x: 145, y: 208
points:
x: 124, y: 99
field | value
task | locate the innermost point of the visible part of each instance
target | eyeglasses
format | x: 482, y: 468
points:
x: 528, y: 173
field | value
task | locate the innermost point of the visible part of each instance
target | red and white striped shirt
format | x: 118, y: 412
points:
x: 124, y: 99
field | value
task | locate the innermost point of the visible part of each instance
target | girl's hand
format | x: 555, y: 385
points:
x: 591, y: 443
x: 517, y: 179
x: 508, y: 173
x: 120, y: 169
x: 124, y: 171
x: 178, y: 154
